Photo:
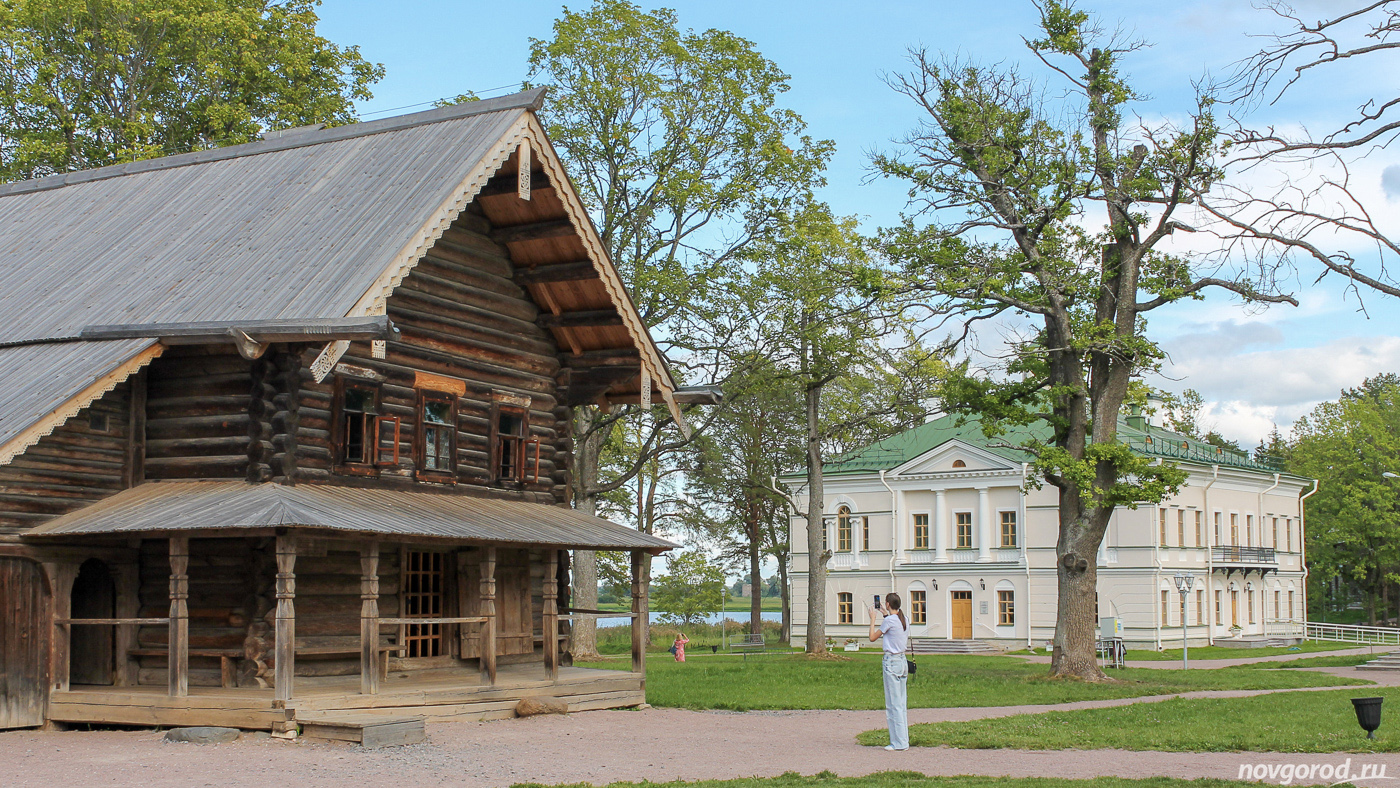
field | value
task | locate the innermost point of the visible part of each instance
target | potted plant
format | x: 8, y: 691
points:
x: 851, y: 644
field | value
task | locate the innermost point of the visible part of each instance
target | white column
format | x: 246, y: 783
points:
x: 984, y: 525
x: 940, y: 527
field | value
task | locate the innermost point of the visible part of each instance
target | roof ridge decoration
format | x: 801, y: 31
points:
x: 530, y: 100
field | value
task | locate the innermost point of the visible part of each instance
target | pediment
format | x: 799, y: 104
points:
x: 954, y: 457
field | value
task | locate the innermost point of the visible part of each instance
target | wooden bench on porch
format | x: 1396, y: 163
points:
x: 228, y: 657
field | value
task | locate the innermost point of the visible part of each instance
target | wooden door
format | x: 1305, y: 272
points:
x: 24, y: 643
x: 962, y: 615
x: 90, y: 650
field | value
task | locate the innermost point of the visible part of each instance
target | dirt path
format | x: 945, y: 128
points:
x: 601, y: 747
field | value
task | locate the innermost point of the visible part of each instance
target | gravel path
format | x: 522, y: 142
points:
x: 601, y: 747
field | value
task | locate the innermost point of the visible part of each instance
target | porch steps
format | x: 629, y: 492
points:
x: 367, y: 729
x: 1389, y: 661
x: 943, y: 646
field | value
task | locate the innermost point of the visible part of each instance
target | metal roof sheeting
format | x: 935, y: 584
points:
x: 36, y: 380
x: 214, y: 506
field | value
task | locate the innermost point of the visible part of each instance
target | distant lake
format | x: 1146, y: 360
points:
x: 713, y: 618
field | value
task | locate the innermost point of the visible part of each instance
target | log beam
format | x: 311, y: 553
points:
x: 128, y: 606
x: 369, y: 618
x: 488, y: 610
x: 284, y: 666
x: 574, y: 271
x: 535, y: 231
x: 178, y: 659
x: 639, y: 617
x: 61, y: 577
x: 551, y: 616
x: 584, y: 319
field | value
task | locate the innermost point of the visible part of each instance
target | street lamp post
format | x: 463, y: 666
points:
x: 1183, y: 585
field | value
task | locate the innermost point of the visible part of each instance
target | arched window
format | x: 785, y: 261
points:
x: 843, y: 529
x: 959, y: 464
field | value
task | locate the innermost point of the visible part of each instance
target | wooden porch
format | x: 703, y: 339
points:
x: 435, y: 696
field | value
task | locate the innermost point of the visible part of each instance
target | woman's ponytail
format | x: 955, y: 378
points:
x: 893, y: 603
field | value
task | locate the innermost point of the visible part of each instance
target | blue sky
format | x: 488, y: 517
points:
x: 1256, y: 368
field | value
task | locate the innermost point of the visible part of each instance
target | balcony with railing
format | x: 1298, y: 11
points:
x: 1237, y: 555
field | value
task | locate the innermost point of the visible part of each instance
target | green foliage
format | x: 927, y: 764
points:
x: 691, y: 588
x: 1352, y: 520
x: 1278, y: 722
x: 85, y: 83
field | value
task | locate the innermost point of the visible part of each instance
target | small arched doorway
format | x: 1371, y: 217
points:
x: 91, y: 650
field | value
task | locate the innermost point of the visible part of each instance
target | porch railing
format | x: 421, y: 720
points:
x: 1351, y: 633
x: 1235, y: 554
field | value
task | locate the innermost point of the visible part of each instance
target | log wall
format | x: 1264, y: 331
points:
x: 197, y: 414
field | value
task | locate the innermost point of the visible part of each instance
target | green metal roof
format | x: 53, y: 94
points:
x: 1151, y: 441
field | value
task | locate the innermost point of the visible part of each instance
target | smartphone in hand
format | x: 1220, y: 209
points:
x: 877, y: 601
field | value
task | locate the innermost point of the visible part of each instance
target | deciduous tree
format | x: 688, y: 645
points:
x: 1046, y: 209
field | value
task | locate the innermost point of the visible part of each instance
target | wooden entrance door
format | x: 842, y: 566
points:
x: 962, y: 615
x: 90, y: 650
x: 24, y: 643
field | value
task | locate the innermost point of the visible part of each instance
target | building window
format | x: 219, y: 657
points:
x: 363, y: 437
x: 1234, y: 528
x: 1290, y: 605
x: 865, y: 532
x: 1008, y: 529
x: 1181, y: 616
x: 959, y: 464
x: 423, y: 595
x: 1162, y: 527
x: 514, y: 457
x: 1217, y: 529
x: 1199, y: 542
x: 1249, y: 529
x: 1219, y: 606
x: 1166, y: 607
x: 1288, y: 533
x: 437, y: 412
x: 1249, y: 605
x: 920, y: 532
x: 1278, y: 605
x: 1200, y: 606
x: 1180, y: 527
x: 1274, y: 538
x: 1006, y: 608
x: 918, y: 607
x: 843, y: 529
x: 845, y: 609
x: 964, y: 521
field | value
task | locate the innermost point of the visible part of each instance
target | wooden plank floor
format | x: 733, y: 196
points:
x: 437, y: 695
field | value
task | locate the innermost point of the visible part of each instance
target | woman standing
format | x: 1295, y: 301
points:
x: 892, y: 631
x: 678, y: 648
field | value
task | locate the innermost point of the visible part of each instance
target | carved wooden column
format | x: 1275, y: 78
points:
x: 369, y: 618
x: 128, y: 606
x: 285, y: 665
x: 488, y: 609
x: 551, y: 615
x: 178, y: 658
x: 639, y: 616
x: 61, y: 577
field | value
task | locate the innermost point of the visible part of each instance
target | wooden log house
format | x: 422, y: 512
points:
x: 284, y: 428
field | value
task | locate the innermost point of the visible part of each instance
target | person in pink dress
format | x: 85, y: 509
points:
x: 679, y: 646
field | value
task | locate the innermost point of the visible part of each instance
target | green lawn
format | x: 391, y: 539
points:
x: 1227, y: 652
x: 917, y: 780
x: 1340, y: 661
x: 1283, y: 722
x: 771, y: 604
x: 794, y: 682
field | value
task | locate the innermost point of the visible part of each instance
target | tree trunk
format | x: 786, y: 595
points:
x: 756, y: 583
x: 787, y: 599
x: 816, y: 552
x: 1074, y: 652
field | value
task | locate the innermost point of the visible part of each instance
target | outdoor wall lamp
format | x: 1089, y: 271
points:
x: 1249, y: 586
x: 983, y: 583
x: 935, y: 585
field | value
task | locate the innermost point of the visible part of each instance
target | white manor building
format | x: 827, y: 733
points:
x: 938, y: 515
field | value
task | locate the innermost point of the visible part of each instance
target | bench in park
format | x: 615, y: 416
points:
x: 749, y: 644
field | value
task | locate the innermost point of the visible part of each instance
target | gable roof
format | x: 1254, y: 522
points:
x: 910, y: 445
x: 305, y: 225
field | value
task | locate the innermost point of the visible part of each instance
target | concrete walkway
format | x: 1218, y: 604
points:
x: 602, y: 747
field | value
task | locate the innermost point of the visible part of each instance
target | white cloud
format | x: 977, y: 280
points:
x: 1390, y: 182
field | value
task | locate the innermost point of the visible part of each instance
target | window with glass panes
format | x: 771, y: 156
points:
x: 865, y: 532
x: 1006, y: 608
x: 1162, y: 527
x: 1219, y: 605
x: 1217, y: 528
x: 845, y: 608
x: 1273, y: 540
x: 1249, y: 530
x: 964, y: 523
x: 1278, y: 606
x: 918, y: 607
x: 1234, y: 528
x: 1008, y: 529
x: 1198, y: 529
x: 1288, y: 533
x: 1166, y: 608
x: 438, y: 418
x: 843, y: 529
x: 1200, y: 607
x: 1180, y: 528
x: 1249, y: 602
x: 921, y: 532
x: 1290, y: 605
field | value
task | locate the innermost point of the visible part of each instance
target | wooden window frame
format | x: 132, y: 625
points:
x: 527, y: 448
x: 918, y: 607
x: 1200, y: 520
x: 1006, y: 608
x: 843, y: 529
x: 448, y: 642
x: 369, y: 462
x: 865, y: 532
x: 1200, y: 606
x: 1162, y: 527
x: 958, y: 527
x: 921, y: 530
x: 424, y: 473
x: 1013, y: 532
x: 1180, y: 527
x: 1166, y: 608
x: 845, y: 608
